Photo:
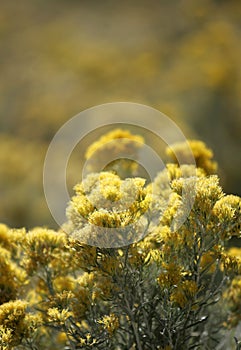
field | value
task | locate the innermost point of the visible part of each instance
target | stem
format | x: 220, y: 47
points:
x: 49, y: 281
x: 133, y: 324
x: 144, y: 314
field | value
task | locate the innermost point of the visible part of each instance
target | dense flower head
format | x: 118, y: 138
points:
x: 228, y: 212
x: 201, y: 153
x: 60, y: 317
x: 167, y: 198
x: 184, y: 293
x: 206, y: 193
x: 231, y: 263
x: 42, y: 247
x: 16, y: 324
x: 12, y: 277
x: 170, y: 276
x: 11, y: 240
x: 104, y: 201
x: 110, y: 323
x: 118, y: 145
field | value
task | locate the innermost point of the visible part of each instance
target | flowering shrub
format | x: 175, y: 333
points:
x: 175, y: 285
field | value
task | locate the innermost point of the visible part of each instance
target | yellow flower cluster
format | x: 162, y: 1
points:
x: 150, y: 292
x: 116, y: 134
x: 10, y: 239
x: 231, y: 263
x: 88, y: 340
x: 115, y: 144
x: 184, y: 293
x: 208, y: 261
x: 12, y: 276
x: 228, y: 212
x: 97, y: 206
x: 233, y: 298
x: 16, y: 324
x: 171, y: 275
x: 110, y: 323
x: 207, y: 192
x: 43, y: 247
x: 59, y: 316
x: 201, y: 153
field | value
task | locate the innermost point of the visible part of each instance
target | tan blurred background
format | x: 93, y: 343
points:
x: 59, y: 57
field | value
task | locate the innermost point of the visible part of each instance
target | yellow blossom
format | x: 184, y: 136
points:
x: 108, y: 210
x: 201, y: 153
x: 59, y: 316
x: 110, y: 323
x: 113, y: 135
x: 228, y: 212
x: 43, y: 246
x: 170, y: 276
x: 184, y: 293
x: 231, y: 264
x: 115, y: 144
x: 208, y: 260
x: 16, y: 323
x: 233, y: 298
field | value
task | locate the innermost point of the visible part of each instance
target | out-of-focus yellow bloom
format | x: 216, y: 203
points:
x: 171, y: 275
x: 233, y: 298
x: 114, y: 145
x: 201, y: 153
x: 64, y: 283
x: 235, y: 251
x: 62, y: 338
x: 184, y: 293
x: 207, y: 262
x: 113, y: 135
x: 231, y: 264
x: 12, y: 277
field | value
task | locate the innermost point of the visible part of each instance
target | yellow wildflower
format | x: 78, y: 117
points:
x: 42, y: 247
x: 115, y: 144
x: 16, y: 323
x: 208, y: 260
x: 12, y: 277
x: 170, y: 276
x: 108, y: 209
x: 228, y: 212
x: 59, y: 316
x: 113, y: 135
x: 110, y: 323
x: 184, y: 293
x: 230, y: 263
x: 233, y: 298
x: 201, y: 153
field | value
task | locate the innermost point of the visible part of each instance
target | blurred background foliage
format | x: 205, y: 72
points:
x: 60, y: 57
